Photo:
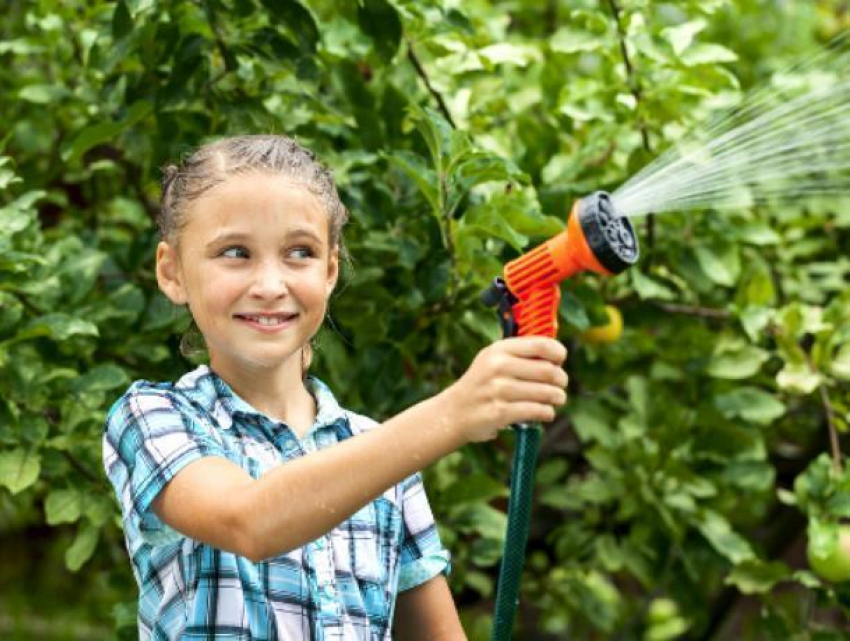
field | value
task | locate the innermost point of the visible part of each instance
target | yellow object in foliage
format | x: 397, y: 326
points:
x: 608, y: 333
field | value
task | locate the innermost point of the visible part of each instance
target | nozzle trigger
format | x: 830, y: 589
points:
x: 499, y: 295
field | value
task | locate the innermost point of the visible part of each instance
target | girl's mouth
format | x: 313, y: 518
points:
x: 267, y: 322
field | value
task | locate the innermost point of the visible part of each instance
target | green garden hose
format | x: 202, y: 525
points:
x: 519, y: 516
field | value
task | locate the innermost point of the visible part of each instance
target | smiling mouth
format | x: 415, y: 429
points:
x: 267, y: 320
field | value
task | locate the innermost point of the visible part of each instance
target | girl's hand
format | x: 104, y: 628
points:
x: 514, y: 380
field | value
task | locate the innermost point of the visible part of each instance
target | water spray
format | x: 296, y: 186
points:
x: 596, y: 239
x: 784, y: 141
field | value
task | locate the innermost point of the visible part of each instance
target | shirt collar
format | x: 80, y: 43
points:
x: 328, y: 410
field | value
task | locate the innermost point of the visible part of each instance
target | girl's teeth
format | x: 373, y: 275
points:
x: 267, y: 320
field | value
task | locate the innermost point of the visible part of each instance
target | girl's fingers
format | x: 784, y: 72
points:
x: 528, y: 412
x: 524, y: 392
x: 536, y: 347
x: 536, y: 370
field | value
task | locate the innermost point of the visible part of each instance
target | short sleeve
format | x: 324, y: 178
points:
x: 150, y: 436
x: 422, y: 554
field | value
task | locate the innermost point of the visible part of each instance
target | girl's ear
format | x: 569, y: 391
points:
x: 168, y: 273
x: 333, y: 270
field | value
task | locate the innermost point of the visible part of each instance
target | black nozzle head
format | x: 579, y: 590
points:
x: 611, y: 237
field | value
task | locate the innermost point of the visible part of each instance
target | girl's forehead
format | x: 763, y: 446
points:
x: 257, y: 201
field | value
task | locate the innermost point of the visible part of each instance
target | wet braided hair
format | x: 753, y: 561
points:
x: 213, y: 163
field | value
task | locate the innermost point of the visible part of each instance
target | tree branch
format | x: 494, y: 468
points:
x: 829, y: 418
x: 829, y: 415
x: 637, y: 94
x: 420, y: 70
x: 692, y: 310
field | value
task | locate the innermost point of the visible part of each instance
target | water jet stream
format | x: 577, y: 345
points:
x: 784, y: 141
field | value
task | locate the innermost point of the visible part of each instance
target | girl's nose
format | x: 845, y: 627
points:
x: 269, y: 282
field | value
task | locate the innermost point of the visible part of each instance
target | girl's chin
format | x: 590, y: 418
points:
x: 261, y: 362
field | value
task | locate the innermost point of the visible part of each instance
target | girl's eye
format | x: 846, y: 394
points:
x: 302, y: 252
x: 235, y: 252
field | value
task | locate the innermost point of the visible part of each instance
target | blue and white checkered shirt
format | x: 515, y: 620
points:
x: 341, y: 586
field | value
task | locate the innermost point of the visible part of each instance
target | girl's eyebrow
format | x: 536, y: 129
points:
x: 304, y: 231
x: 236, y: 236
x: 228, y: 237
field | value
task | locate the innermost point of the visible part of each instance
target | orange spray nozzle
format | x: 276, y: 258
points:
x: 595, y: 239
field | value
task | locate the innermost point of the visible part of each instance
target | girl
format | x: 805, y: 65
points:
x: 254, y: 506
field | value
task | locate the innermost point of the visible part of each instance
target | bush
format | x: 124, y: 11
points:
x: 690, y: 459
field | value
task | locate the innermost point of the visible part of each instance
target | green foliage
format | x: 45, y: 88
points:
x: 691, y: 453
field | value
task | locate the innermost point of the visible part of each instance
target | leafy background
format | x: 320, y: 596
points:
x: 678, y: 489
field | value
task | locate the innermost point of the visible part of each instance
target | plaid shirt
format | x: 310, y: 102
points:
x: 340, y: 586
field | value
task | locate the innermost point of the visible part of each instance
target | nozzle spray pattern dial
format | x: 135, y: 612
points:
x: 610, y: 237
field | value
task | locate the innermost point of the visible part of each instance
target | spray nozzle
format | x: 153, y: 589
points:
x: 611, y: 237
x: 596, y: 239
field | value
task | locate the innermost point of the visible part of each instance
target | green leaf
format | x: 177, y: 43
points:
x: 487, y: 221
x: 297, y: 20
x: 736, y: 361
x: 813, y: 485
x: 572, y: 310
x: 568, y: 40
x: 80, y: 272
x: 56, y: 326
x: 103, y: 132
x: 758, y: 289
x: 509, y: 53
x: 482, y: 167
x: 704, y: 54
x: 423, y: 176
x: 758, y: 234
x: 750, y: 404
x: 728, y: 543
x: 749, y: 476
x: 482, y: 519
x: 754, y: 320
x: 838, y: 504
x: 551, y: 471
x: 89, y: 137
x: 721, y: 264
x: 19, y: 469
x: 480, y: 582
x: 434, y: 128
x: 757, y: 577
x: 649, y: 288
x: 591, y: 422
x: 83, y: 547
x: 823, y: 538
x: 799, y: 378
x: 840, y: 365
x: 379, y: 19
x: 42, y: 94
x: 101, y: 378
x: 98, y: 509
x: 63, y: 506
x: 681, y: 36
x: 473, y: 488
x: 122, y: 21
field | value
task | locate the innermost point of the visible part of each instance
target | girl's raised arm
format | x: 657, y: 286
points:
x: 214, y: 501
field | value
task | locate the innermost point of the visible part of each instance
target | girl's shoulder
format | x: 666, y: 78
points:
x: 193, y: 393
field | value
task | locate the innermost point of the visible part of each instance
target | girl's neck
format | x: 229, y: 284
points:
x: 278, y: 393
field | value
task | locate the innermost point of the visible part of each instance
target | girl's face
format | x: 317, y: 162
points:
x: 255, y: 267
